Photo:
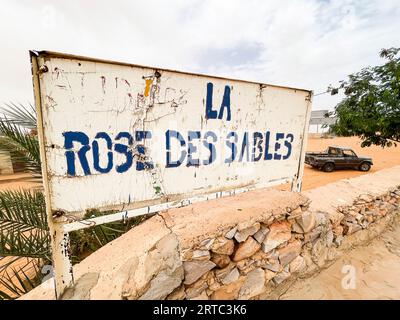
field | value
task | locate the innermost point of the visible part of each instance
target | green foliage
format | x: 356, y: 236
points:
x: 24, y: 233
x: 22, y: 210
x: 371, y: 107
x: 86, y: 241
x: 22, y: 146
x: 18, y: 281
x: 20, y: 115
x: 23, y: 227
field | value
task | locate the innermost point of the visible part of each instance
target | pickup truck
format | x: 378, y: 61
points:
x: 337, y: 158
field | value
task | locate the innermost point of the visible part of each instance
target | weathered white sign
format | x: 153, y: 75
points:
x: 121, y: 135
x: 138, y: 140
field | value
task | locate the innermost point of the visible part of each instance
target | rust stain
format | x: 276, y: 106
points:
x: 148, y: 86
x: 103, y: 83
x: 57, y: 71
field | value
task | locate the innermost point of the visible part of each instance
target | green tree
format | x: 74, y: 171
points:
x: 371, y: 107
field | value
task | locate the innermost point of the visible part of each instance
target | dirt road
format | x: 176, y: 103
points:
x: 18, y: 181
x: 383, y: 158
x: 367, y: 272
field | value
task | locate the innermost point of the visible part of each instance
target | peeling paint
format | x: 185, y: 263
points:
x: 149, y: 82
x: 103, y: 83
x: 103, y: 100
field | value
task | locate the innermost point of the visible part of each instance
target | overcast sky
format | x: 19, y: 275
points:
x: 306, y: 44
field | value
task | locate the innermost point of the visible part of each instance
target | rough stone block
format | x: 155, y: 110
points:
x: 279, y: 233
x: 246, y: 249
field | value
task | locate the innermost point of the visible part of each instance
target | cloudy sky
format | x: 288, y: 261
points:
x: 305, y: 43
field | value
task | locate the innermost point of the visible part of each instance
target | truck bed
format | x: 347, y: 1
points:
x: 319, y: 155
x: 311, y: 157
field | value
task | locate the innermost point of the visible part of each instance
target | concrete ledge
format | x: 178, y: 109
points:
x: 203, y: 220
x: 330, y: 197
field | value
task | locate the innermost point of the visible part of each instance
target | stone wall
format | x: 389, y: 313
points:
x: 248, y: 246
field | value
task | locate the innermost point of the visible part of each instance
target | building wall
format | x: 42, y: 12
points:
x: 6, y: 166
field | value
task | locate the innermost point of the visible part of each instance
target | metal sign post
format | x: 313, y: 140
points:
x: 138, y: 140
x: 62, y: 266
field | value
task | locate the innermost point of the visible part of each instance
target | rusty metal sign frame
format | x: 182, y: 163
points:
x: 62, y: 266
x: 60, y: 227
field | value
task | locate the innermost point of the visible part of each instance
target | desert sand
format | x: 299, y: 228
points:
x: 382, y: 158
x: 18, y: 181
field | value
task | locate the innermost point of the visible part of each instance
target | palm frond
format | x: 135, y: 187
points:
x: 24, y: 230
x: 84, y: 242
x: 32, y: 244
x: 22, y: 210
x: 24, y: 234
x: 15, y: 282
x: 20, y: 115
x: 21, y: 145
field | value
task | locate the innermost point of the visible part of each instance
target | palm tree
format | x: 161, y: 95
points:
x: 24, y: 232
x: 24, y: 235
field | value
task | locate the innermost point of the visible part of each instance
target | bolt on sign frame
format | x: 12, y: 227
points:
x: 136, y: 140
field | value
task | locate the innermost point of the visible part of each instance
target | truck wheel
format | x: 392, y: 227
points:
x: 328, y: 167
x: 365, y: 166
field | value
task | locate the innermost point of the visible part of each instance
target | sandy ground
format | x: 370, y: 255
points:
x: 18, y: 181
x: 25, y: 264
x: 382, y: 158
x: 367, y: 272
